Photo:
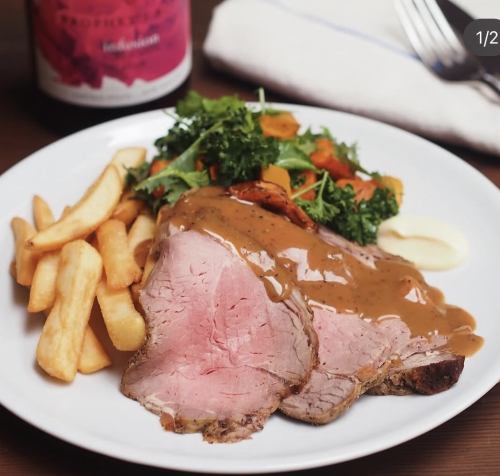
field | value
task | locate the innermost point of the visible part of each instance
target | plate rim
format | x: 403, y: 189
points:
x: 122, y: 452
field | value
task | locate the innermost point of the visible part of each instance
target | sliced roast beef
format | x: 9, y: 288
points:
x: 358, y: 356
x: 220, y: 355
x: 425, y: 373
x: 353, y: 355
x: 248, y: 312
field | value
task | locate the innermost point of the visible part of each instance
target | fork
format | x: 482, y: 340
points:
x: 437, y: 44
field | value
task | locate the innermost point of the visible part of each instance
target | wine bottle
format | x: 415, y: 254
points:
x: 98, y: 59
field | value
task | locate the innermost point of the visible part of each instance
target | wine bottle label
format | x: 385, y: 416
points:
x: 106, y: 53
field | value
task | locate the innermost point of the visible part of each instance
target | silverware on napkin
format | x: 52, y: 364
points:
x: 437, y: 44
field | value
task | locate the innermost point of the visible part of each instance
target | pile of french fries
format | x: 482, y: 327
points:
x: 97, y: 249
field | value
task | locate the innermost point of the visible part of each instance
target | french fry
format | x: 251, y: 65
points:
x: 140, y: 238
x: 42, y: 213
x: 93, y: 356
x: 119, y: 264
x: 65, y: 211
x: 59, y: 348
x: 126, y: 158
x: 43, y: 285
x: 26, y: 259
x: 95, y: 207
x: 128, y: 209
x: 125, y: 325
x: 12, y: 269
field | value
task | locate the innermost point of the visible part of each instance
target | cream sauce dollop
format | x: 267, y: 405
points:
x: 429, y: 243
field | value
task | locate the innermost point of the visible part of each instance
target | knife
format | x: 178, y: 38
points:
x: 459, y: 19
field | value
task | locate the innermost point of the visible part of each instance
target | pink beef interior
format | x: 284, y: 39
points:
x: 354, y: 355
x: 358, y: 356
x: 220, y: 354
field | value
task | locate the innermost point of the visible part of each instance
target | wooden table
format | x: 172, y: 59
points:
x: 468, y: 444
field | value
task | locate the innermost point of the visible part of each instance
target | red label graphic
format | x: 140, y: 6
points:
x: 84, y: 41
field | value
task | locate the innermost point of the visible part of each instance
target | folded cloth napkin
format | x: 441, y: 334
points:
x: 352, y: 55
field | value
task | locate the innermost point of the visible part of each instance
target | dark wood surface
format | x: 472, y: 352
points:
x: 468, y: 444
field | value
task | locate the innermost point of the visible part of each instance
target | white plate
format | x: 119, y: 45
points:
x: 92, y: 413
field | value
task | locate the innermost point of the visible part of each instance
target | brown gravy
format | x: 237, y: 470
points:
x: 284, y: 255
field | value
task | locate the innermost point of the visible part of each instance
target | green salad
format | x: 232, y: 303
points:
x: 224, y: 141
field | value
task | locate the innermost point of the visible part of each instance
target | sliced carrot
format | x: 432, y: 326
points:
x: 339, y: 169
x: 325, y: 144
x: 278, y: 176
x: 157, y: 166
x: 364, y: 189
x: 324, y: 158
x: 282, y: 125
x: 395, y: 185
x: 321, y: 158
x: 309, y: 178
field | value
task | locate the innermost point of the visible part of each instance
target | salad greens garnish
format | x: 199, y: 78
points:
x: 223, y: 141
x: 337, y: 208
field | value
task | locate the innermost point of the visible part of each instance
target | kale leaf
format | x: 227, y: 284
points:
x: 362, y: 222
x: 324, y: 208
x: 238, y: 149
x: 336, y: 208
x: 173, y: 182
x: 292, y: 157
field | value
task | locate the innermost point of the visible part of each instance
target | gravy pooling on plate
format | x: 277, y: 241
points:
x: 284, y: 255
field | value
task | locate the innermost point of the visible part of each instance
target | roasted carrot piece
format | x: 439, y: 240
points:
x: 325, y: 145
x: 282, y: 125
x: 321, y: 158
x: 309, y: 178
x: 364, y: 189
x: 395, y: 185
x: 277, y: 175
x: 157, y: 166
x: 324, y: 158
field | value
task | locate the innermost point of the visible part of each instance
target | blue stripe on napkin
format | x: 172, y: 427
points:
x: 342, y: 29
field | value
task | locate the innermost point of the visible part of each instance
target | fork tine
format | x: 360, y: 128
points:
x: 448, y: 33
x: 416, y: 31
x: 435, y: 42
x: 440, y: 45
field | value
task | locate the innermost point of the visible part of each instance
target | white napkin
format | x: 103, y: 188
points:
x: 352, y: 55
